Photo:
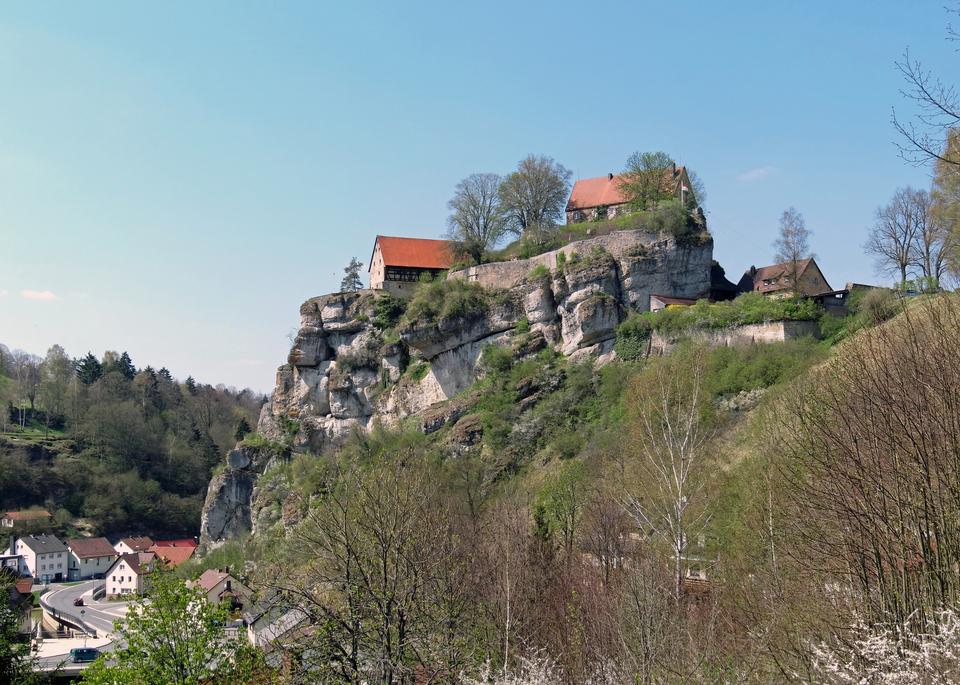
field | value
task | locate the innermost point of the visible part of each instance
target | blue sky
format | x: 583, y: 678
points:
x: 176, y: 179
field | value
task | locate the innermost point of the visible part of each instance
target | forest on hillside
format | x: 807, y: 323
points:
x: 108, y: 447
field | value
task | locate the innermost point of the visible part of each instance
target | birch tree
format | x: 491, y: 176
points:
x: 669, y: 438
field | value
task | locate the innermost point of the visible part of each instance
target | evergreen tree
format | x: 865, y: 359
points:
x: 89, y: 369
x: 165, y: 374
x: 351, y: 281
x: 126, y: 367
x: 243, y: 428
x: 191, y: 385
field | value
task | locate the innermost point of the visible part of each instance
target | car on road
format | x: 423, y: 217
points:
x: 78, y: 602
x: 83, y: 655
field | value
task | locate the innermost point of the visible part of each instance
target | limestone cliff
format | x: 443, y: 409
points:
x: 347, y: 369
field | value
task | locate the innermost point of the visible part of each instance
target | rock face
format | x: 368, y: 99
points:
x: 342, y: 375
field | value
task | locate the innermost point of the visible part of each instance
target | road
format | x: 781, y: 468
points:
x: 97, y: 616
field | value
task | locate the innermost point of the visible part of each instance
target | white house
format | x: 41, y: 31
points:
x: 219, y: 586
x: 44, y: 556
x: 134, y: 545
x: 126, y: 575
x: 89, y: 558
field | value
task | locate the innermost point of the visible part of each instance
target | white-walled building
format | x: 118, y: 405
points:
x: 44, y: 556
x: 89, y: 558
x: 134, y: 545
x: 126, y: 575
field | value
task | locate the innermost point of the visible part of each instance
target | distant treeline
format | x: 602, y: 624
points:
x: 99, y: 439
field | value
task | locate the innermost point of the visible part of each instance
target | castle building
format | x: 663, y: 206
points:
x: 594, y: 199
x: 397, y: 264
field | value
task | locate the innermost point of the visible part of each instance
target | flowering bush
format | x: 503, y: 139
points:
x: 893, y: 654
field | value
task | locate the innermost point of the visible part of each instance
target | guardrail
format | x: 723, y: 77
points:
x: 67, y: 617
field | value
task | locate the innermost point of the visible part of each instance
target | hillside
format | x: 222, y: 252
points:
x: 108, y: 448
x: 622, y: 516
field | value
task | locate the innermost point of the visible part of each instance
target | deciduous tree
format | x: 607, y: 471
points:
x: 792, y: 244
x: 892, y: 240
x: 648, y: 179
x: 478, y: 219
x: 535, y: 195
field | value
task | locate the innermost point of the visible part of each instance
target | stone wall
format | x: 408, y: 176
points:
x: 769, y: 332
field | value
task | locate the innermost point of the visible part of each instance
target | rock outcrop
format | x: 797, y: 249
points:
x: 347, y: 370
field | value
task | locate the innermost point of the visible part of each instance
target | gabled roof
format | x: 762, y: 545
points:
x: 421, y: 253
x: 138, y: 543
x: 174, y: 556
x: 29, y: 515
x: 137, y: 561
x: 602, y: 191
x: 88, y: 548
x: 773, y: 273
x: 184, y: 542
x: 43, y: 544
x: 210, y: 578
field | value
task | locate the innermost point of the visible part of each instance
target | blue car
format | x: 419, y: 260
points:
x: 84, y: 655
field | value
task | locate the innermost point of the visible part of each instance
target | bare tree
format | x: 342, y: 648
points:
x: 535, y: 195
x: 478, y: 220
x: 26, y: 368
x: 937, y: 111
x: 792, y: 244
x: 892, y: 240
x: 669, y: 438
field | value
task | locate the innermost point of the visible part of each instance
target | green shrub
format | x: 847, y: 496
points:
x: 417, y: 372
x: 540, y: 271
x: 523, y: 326
x: 633, y: 336
x: 387, y: 311
x: 747, y: 309
x: 496, y: 359
x: 448, y: 299
x: 748, y: 367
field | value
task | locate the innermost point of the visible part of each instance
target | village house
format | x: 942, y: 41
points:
x: 19, y: 518
x: 219, y: 586
x: 89, y: 558
x: 44, y: 556
x: 397, y: 264
x: 777, y: 280
x: 174, y: 552
x: 594, y: 199
x: 19, y: 599
x: 128, y: 573
x: 133, y: 544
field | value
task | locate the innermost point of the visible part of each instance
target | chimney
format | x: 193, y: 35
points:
x: 13, y: 543
x: 609, y: 177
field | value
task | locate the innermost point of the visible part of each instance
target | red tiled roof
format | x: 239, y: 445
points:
x: 209, y: 578
x: 420, y: 253
x: 173, y: 556
x: 185, y: 542
x: 87, y: 548
x: 27, y: 515
x: 604, y: 191
x: 138, y: 544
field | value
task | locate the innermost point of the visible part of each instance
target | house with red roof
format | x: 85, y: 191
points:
x: 602, y: 197
x: 777, y: 280
x: 137, y: 543
x: 18, y: 518
x: 174, y: 552
x: 397, y: 264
